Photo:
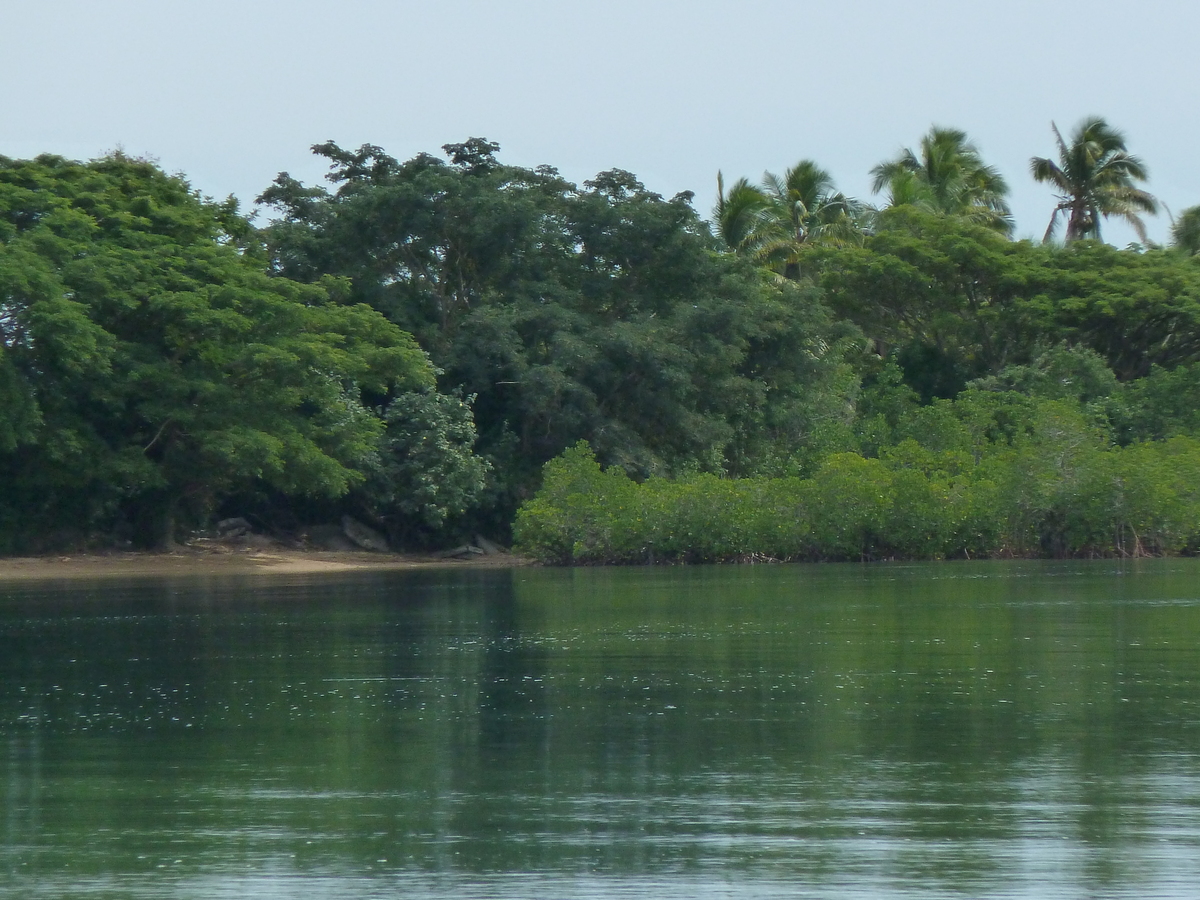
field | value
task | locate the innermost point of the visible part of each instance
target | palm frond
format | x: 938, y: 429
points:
x: 1046, y: 170
x: 1185, y: 232
x: 1053, y: 226
x: 1094, y: 178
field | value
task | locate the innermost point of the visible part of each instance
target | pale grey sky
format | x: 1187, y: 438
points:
x: 231, y: 93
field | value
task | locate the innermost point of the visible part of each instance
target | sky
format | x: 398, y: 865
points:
x: 231, y: 93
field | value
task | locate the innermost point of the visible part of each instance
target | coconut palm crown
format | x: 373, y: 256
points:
x: 741, y: 215
x: 946, y: 176
x: 1185, y: 232
x: 775, y: 222
x: 1094, y: 178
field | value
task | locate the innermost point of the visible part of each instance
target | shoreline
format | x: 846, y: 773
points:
x: 187, y: 561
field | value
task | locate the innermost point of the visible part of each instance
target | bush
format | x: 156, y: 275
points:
x: 1056, y: 493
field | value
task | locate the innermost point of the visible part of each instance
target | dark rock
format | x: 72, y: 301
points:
x: 234, y: 527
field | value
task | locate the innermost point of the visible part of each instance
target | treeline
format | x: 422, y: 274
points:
x: 414, y: 343
x: 558, y: 312
x: 1012, y: 400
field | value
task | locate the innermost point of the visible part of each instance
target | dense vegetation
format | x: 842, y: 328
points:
x: 151, y: 368
x: 809, y: 376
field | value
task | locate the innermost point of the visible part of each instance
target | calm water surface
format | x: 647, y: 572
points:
x: 948, y: 730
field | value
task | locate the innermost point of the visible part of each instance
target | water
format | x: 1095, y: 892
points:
x: 951, y: 730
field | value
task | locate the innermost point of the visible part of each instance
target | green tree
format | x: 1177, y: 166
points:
x: 948, y: 176
x: 1135, y: 309
x: 852, y: 498
x: 774, y: 224
x: 936, y: 294
x: 1163, y: 404
x: 1056, y: 373
x: 950, y: 302
x: 1185, y: 231
x: 427, y: 473
x: 156, y: 368
x: 1094, y: 178
x: 742, y: 217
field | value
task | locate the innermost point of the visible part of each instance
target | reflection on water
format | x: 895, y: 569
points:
x: 951, y: 730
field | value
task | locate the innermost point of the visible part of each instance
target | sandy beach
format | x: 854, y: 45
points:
x: 188, y: 561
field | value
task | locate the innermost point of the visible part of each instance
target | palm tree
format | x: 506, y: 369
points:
x: 741, y: 215
x: 1185, y: 232
x: 1094, y: 178
x: 777, y: 222
x: 947, y: 176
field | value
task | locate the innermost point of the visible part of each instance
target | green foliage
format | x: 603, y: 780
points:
x: 1136, y: 310
x: 1057, y: 373
x: 883, y: 402
x: 954, y: 302
x: 1185, y: 231
x: 776, y: 223
x: 947, y: 177
x: 991, y: 474
x: 1094, y: 178
x: 427, y: 472
x: 564, y: 523
x: 1164, y: 404
x: 600, y: 312
x: 151, y: 366
x: 932, y: 282
x: 850, y: 499
x: 924, y: 387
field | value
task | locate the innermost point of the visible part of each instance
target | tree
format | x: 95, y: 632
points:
x: 1094, y: 179
x: 937, y: 291
x: 1185, y: 231
x: 600, y: 311
x: 155, y: 367
x: 951, y: 302
x: 1163, y: 404
x: 1137, y: 310
x: 947, y: 176
x: 742, y: 216
x: 1057, y: 373
x: 427, y: 473
x: 775, y: 223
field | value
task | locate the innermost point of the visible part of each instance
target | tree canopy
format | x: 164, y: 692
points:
x: 603, y: 311
x: 151, y: 366
x: 1185, y: 231
x: 775, y: 223
x: 947, y: 175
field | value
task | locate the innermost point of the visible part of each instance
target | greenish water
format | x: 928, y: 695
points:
x: 948, y: 730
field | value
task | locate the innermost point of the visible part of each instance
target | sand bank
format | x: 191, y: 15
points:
x: 226, y: 562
